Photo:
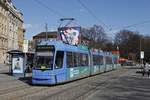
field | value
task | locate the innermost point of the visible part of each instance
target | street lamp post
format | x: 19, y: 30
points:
x: 141, y: 53
x: 46, y: 31
x: 118, y: 54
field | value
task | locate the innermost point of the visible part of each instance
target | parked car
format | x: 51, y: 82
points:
x: 128, y: 63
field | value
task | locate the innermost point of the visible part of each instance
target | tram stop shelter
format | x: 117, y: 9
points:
x: 21, y: 63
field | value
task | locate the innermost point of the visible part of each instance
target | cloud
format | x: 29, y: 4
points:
x: 27, y: 26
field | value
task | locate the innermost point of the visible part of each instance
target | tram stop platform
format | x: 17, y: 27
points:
x: 121, y: 84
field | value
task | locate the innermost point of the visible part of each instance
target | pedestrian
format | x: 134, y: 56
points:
x: 143, y: 67
x: 147, y: 69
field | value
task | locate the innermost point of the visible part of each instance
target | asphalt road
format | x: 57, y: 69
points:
x: 130, y: 86
x: 121, y: 84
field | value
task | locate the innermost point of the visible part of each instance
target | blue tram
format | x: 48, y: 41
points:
x: 57, y: 62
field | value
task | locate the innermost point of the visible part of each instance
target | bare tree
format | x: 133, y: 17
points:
x: 145, y: 46
x: 96, y: 35
x: 129, y: 43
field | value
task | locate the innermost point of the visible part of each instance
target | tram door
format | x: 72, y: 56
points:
x: 59, y: 69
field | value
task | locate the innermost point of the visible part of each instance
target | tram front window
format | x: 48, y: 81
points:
x: 44, y: 60
x: 44, y: 56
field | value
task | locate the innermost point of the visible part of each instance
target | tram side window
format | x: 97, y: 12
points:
x: 79, y: 59
x: 96, y: 60
x: 59, y: 59
x: 101, y: 60
x: 111, y: 61
x: 115, y: 60
x: 70, y: 59
x: 108, y: 60
x: 83, y: 59
x: 87, y: 60
x: 76, y: 59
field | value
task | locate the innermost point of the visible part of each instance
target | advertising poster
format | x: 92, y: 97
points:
x: 70, y: 35
x: 17, y: 65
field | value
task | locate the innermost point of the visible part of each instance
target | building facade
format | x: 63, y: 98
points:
x: 11, y: 29
x: 53, y: 35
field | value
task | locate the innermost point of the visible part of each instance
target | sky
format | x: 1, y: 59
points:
x: 115, y: 14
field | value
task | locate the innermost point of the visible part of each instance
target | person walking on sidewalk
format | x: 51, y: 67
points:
x: 143, y: 69
x: 147, y: 69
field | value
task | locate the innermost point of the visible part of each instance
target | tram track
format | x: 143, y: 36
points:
x: 84, y: 87
x: 8, y: 90
x: 11, y: 86
x: 32, y: 91
x: 99, y: 87
x: 21, y: 92
x: 77, y: 89
x: 11, y: 82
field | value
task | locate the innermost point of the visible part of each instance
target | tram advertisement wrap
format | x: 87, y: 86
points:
x: 70, y: 34
x: 78, y: 72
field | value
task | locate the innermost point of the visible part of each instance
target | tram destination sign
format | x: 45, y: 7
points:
x: 45, y: 47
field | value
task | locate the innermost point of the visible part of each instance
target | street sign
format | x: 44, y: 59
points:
x: 142, y: 54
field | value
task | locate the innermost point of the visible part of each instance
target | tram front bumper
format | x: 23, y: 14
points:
x: 43, y: 77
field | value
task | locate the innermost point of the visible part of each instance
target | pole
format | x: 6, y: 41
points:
x: 118, y: 52
x: 46, y: 31
x: 140, y: 51
x: 141, y: 59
